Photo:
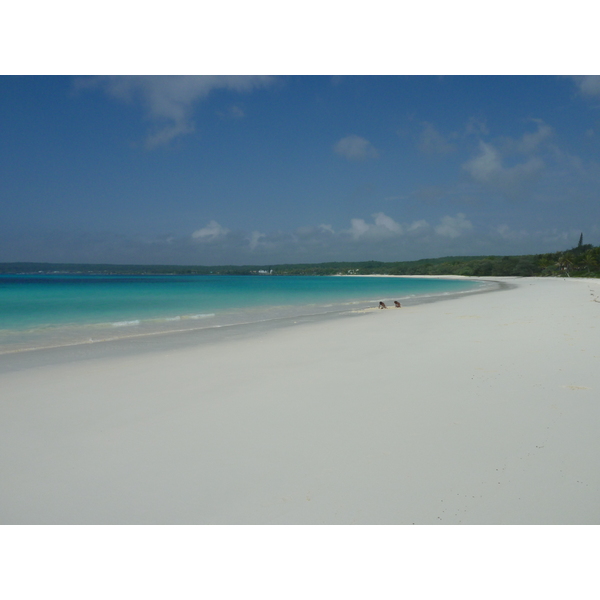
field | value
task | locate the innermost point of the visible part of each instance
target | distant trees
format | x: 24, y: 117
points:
x: 580, y: 261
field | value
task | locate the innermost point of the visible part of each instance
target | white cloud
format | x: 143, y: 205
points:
x: 287, y: 247
x: 326, y: 228
x: 169, y: 100
x: 432, y: 141
x: 210, y: 233
x: 255, y: 238
x: 359, y: 228
x: 165, y: 134
x: 488, y: 168
x: 531, y: 141
x: 523, y: 171
x: 354, y: 147
x: 453, y: 227
x: 383, y: 226
x: 386, y: 222
x: 418, y: 226
x: 589, y: 85
x: 486, y: 165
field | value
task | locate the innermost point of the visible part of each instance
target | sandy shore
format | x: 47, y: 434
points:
x: 481, y: 409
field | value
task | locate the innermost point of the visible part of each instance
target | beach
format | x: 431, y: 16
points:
x: 480, y: 409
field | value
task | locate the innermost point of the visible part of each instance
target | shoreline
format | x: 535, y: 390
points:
x: 414, y: 276
x: 480, y: 409
x: 8, y: 357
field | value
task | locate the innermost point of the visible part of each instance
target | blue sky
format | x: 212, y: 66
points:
x: 258, y: 169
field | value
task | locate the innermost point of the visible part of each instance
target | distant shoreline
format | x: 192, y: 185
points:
x: 131, y: 340
x: 581, y: 261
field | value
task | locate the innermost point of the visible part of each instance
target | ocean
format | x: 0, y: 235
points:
x: 41, y: 311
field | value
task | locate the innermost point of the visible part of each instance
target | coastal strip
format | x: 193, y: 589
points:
x: 51, y: 344
x: 479, y: 409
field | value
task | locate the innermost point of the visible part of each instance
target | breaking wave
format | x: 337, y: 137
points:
x: 126, y: 323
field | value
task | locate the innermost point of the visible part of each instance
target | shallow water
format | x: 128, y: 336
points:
x: 39, y: 311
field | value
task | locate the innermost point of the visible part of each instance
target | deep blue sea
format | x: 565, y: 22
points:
x: 56, y: 310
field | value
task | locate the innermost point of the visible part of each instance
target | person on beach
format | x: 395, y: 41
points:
x: 397, y: 304
x: 382, y: 305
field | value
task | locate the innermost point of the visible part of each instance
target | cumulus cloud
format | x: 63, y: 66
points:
x: 524, y: 168
x: 359, y: 227
x: 487, y: 167
x: 589, y: 85
x: 418, y: 226
x: 169, y: 101
x: 385, y: 222
x: 354, y: 147
x: 381, y: 234
x: 530, y: 142
x: 454, y: 227
x: 431, y: 141
x: 255, y: 238
x: 453, y: 236
x: 167, y: 133
x: 523, y: 172
x: 213, y: 231
x: 383, y: 226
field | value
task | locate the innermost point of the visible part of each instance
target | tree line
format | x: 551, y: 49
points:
x: 581, y: 261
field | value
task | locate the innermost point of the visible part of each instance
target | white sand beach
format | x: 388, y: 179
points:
x: 483, y: 409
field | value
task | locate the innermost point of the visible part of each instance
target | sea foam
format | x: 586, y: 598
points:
x: 126, y: 323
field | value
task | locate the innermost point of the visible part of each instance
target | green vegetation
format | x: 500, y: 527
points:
x: 580, y: 261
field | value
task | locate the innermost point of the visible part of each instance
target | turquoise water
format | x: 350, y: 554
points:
x: 54, y: 310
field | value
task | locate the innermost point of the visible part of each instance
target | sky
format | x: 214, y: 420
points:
x: 214, y: 170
